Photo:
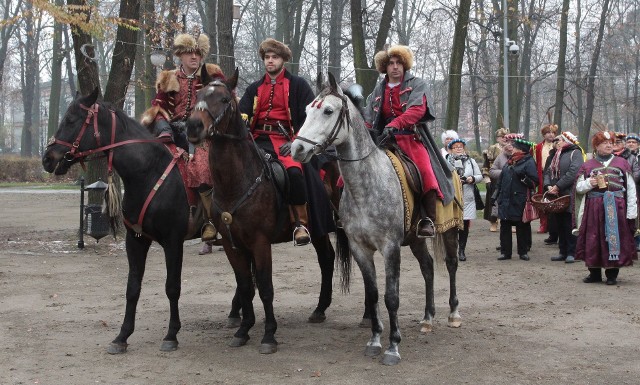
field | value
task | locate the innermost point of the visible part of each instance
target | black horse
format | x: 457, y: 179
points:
x: 249, y: 211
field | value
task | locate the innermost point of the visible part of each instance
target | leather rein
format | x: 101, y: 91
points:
x: 344, y: 120
x: 92, y: 118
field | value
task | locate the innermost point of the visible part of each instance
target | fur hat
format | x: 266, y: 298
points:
x: 553, y: 128
x: 450, y: 145
x: 448, y: 134
x: 501, y: 132
x: 272, y: 45
x: 185, y: 43
x: 601, y: 137
x: 402, y: 52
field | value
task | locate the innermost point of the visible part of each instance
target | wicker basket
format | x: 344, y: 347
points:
x: 547, y: 205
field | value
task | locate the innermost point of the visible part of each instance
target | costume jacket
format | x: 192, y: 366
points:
x: 176, y: 95
x: 570, y: 162
x: 412, y: 91
x: 516, y: 181
x: 605, y: 230
x: 489, y: 155
x: 633, y: 162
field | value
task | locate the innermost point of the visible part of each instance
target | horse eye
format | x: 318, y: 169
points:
x: 328, y: 111
x: 225, y: 100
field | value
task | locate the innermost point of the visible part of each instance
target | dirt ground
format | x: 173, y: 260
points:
x: 523, y: 322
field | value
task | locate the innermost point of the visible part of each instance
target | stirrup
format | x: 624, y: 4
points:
x: 295, y: 241
x: 425, y: 222
x: 203, y: 229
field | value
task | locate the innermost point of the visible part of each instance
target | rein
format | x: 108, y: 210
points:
x: 344, y: 119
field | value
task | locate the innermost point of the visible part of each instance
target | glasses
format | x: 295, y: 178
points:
x: 618, y: 142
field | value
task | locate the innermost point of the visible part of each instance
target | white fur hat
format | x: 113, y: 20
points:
x: 449, y: 134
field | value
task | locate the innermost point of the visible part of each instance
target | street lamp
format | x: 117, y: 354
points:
x: 505, y: 71
x: 158, y: 57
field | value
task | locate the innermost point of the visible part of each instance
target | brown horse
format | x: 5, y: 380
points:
x: 249, y: 209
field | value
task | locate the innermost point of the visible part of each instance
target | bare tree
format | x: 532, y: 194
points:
x: 561, y: 69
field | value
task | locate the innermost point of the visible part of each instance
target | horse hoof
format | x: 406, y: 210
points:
x: 233, y: 322
x: 426, y: 327
x: 236, y: 342
x: 365, y: 323
x: 169, y: 346
x: 268, y: 348
x: 391, y: 359
x: 372, y: 350
x: 117, y: 348
x: 454, y: 322
x: 317, y: 317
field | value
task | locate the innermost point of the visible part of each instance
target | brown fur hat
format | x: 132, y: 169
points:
x: 272, y: 45
x: 501, y: 132
x: 402, y: 52
x: 185, y: 43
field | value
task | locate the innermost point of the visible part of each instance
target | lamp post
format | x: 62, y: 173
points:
x: 505, y: 64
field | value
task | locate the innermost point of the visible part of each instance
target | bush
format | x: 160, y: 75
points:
x: 14, y: 168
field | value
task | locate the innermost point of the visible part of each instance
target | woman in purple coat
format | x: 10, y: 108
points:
x: 605, y: 212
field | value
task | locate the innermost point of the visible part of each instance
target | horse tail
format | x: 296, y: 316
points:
x: 344, y: 259
x: 440, y: 252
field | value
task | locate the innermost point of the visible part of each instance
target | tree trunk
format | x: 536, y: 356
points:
x: 225, y: 36
x: 584, y: 139
x: 6, y: 31
x: 87, y: 70
x: 56, y: 77
x: 455, y: 66
x: 561, y: 71
x: 579, y: 84
x: 28, y: 79
x: 71, y: 79
x: 512, y: 32
x: 335, y: 36
x: 124, y: 54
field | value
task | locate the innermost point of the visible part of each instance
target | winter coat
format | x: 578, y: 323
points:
x: 570, y: 162
x: 469, y: 168
x: 513, y: 188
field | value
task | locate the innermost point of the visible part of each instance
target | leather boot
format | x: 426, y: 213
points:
x: 300, y: 221
x: 426, y: 227
x: 209, y: 231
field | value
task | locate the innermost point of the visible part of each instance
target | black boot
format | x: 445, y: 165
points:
x: 425, y: 227
x: 612, y: 276
x: 595, y: 275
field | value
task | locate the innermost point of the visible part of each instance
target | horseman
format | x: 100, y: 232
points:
x: 397, y: 110
x: 275, y: 106
x: 175, y: 98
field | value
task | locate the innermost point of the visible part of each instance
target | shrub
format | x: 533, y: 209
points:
x: 14, y: 168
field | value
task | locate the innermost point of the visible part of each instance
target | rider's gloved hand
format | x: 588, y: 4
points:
x: 285, y: 149
x: 387, y: 133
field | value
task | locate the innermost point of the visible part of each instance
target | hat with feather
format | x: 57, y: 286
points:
x: 185, y: 43
x: 402, y: 52
x: 272, y: 45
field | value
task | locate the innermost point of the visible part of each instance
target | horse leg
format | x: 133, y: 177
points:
x: 241, y: 264
x: 451, y: 246
x: 137, y: 249
x: 326, y: 260
x: 233, y: 320
x: 173, y: 253
x: 425, y: 261
x: 364, y: 259
x: 264, y: 282
x: 392, y: 302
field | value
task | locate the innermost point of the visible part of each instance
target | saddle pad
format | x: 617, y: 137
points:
x: 451, y: 215
x: 407, y: 195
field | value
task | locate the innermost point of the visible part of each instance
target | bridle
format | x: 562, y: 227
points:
x: 344, y: 120
x: 92, y: 119
x: 212, y: 130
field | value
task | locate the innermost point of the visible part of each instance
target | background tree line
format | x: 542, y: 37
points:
x: 579, y: 60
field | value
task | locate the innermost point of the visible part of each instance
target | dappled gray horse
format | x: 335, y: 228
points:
x: 372, y: 214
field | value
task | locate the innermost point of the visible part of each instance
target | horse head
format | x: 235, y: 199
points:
x: 327, y: 115
x: 74, y: 134
x: 216, y: 111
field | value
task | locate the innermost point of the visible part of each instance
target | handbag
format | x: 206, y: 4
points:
x: 530, y: 213
x: 478, y: 198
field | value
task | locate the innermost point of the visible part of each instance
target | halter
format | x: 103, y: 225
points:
x: 92, y: 116
x: 212, y: 130
x: 344, y: 119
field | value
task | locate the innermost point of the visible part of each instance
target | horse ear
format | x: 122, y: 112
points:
x: 90, y: 99
x: 332, y: 83
x: 205, y: 78
x: 232, y: 82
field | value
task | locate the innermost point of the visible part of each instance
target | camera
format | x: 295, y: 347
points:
x: 513, y: 48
